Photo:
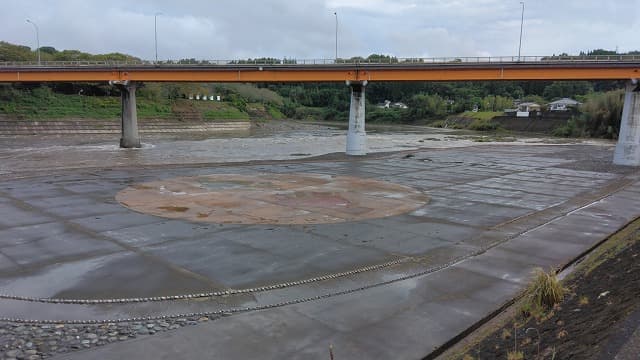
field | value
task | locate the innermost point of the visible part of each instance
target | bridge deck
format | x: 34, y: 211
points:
x: 590, y: 69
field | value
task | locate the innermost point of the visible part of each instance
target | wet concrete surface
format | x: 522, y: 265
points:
x: 495, y: 213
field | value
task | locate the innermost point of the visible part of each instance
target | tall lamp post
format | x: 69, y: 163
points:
x: 336, y: 14
x: 37, y: 38
x: 155, y: 32
x: 521, y: 27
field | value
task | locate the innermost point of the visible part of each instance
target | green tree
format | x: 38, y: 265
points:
x: 11, y: 52
x: 567, y: 89
x: 601, y: 114
x: 424, y: 106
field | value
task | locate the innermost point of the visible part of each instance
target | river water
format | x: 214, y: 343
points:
x: 20, y: 154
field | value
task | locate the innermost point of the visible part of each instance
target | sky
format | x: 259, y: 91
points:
x: 306, y: 29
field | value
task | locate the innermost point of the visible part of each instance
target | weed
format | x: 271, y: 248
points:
x: 546, y: 290
x: 562, y: 334
x: 583, y: 301
x: 515, y: 355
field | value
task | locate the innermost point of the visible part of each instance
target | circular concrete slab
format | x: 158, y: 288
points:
x: 271, y: 198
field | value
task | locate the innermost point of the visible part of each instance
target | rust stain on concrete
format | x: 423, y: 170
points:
x: 271, y: 198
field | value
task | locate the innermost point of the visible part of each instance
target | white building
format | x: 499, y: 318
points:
x: 564, y: 104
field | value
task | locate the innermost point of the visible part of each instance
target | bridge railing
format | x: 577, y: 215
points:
x: 329, y: 62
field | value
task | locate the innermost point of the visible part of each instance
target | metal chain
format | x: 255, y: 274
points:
x: 227, y: 292
x: 227, y: 312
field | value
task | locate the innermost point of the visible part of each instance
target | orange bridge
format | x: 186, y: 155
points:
x: 355, y: 73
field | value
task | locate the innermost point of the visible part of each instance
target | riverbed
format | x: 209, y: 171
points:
x: 267, y: 141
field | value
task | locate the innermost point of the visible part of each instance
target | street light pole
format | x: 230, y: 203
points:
x: 521, y: 27
x: 336, y: 14
x: 37, y: 38
x: 155, y: 32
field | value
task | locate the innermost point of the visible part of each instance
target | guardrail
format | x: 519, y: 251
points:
x: 353, y: 61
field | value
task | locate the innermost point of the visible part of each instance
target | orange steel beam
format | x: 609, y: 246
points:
x: 326, y: 74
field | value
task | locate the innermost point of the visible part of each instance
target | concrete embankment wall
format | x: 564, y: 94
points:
x: 112, y: 126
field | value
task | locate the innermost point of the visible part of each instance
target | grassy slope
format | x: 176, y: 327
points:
x: 58, y: 106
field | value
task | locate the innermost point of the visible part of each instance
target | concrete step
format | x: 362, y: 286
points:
x: 17, y: 127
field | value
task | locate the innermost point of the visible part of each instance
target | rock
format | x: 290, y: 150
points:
x: 91, y: 336
x: 203, y: 319
x: 13, y: 353
x: 123, y: 338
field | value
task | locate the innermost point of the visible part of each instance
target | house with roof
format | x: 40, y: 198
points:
x: 564, y: 104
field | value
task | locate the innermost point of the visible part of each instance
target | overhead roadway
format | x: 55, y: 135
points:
x: 463, y: 71
x: 357, y: 74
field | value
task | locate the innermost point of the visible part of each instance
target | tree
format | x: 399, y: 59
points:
x: 424, y: 106
x: 10, y: 52
x: 567, y: 89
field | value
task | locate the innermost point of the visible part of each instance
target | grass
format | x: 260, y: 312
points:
x: 609, y: 249
x: 545, y: 290
x: 525, y: 308
x: 49, y: 105
x: 213, y: 110
x: 483, y: 125
x: 515, y: 355
x: 481, y: 115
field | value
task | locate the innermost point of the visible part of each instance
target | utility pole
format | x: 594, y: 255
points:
x: 336, y: 14
x: 521, y: 27
x: 37, y: 38
x: 155, y: 32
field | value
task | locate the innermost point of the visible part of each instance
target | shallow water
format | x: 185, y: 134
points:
x: 31, y: 153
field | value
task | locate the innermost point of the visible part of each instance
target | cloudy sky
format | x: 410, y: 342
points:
x: 223, y: 29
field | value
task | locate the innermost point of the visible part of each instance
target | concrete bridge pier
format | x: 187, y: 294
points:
x: 356, y: 136
x: 129, y: 123
x: 628, y: 148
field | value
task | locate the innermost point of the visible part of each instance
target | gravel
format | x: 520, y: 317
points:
x: 26, y: 341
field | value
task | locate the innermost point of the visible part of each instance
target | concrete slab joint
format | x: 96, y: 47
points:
x: 129, y: 121
x: 356, y: 136
x: 628, y: 147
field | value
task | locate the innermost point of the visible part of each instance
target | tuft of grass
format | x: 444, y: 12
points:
x: 515, y: 355
x: 583, y: 301
x: 546, y: 290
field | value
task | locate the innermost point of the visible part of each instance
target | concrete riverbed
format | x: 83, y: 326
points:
x: 342, y: 272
